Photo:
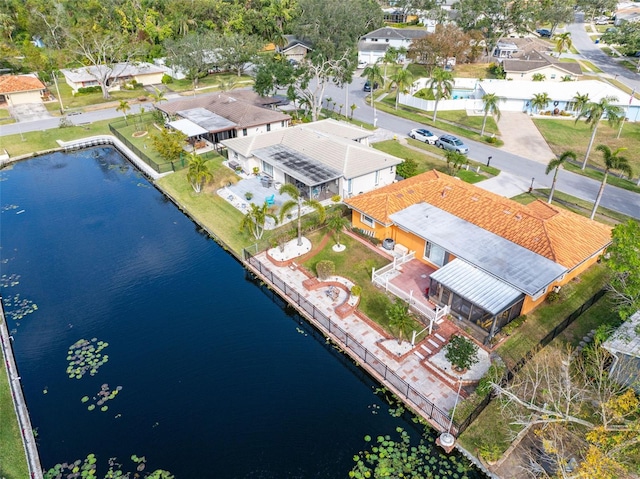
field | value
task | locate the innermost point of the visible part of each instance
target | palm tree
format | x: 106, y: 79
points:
x: 403, y: 79
x: 254, y: 220
x: 612, y: 161
x: 399, y: 317
x: 337, y: 223
x: 158, y: 96
x: 579, y: 101
x: 563, y: 42
x: 538, y: 77
x: 124, y: 107
x: 539, y: 100
x: 298, y: 201
x: 441, y: 83
x: 490, y: 103
x: 555, y: 164
x: 198, y: 173
x: 455, y: 160
x: 373, y: 74
x: 593, y: 112
x: 390, y: 56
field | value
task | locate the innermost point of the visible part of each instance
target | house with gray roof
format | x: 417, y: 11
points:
x: 295, y: 50
x: 119, y: 74
x: 624, y: 345
x: 525, y: 67
x: 322, y: 159
x: 374, y: 45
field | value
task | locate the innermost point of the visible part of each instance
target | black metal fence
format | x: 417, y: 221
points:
x: 510, y: 373
x: 386, y: 375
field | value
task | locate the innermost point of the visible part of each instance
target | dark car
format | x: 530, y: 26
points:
x: 544, y: 33
x: 367, y: 86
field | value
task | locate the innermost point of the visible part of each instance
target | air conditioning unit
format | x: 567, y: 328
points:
x: 556, y: 289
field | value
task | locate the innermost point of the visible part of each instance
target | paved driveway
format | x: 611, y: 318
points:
x: 29, y: 112
x: 521, y: 137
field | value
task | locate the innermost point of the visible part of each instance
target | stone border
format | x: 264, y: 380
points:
x: 19, y: 404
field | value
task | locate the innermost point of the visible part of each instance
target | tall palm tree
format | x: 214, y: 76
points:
x: 455, y: 161
x: 198, y: 173
x: 373, y: 74
x: 612, y: 161
x: 441, y: 83
x: 593, y: 112
x: 403, y: 79
x: 579, y: 101
x: 298, y: 201
x: 563, y: 42
x: 255, y: 219
x: 539, y: 100
x: 124, y: 107
x: 390, y: 56
x: 555, y: 164
x: 158, y: 96
x: 336, y: 222
x: 490, y: 103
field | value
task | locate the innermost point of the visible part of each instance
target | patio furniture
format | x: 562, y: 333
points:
x: 270, y: 200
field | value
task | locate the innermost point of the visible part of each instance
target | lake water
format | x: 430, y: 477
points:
x: 217, y: 378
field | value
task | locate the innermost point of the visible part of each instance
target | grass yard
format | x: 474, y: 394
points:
x: 473, y: 70
x: 219, y: 81
x: 430, y: 160
x: 588, y: 66
x: 5, y: 117
x: 81, y: 101
x: 560, y: 133
x: 13, y: 462
x: 545, y: 317
x: 37, y: 141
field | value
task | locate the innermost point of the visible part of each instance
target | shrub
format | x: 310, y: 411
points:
x: 490, y: 452
x: 553, y: 297
x: 89, y: 89
x: 494, y: 374
x: 336, y: 198
x: 166, y: 79
x: 407, y: 168
x: 497, y: 70
x: 425, y: 93
x: 356, y: 290
x: 513, y: 325
x: 248, y: 195
x: 491, y: 139
x: 461, y: 352
x: 325, y: 269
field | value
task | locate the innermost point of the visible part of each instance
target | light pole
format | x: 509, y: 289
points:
x: 446, y: 438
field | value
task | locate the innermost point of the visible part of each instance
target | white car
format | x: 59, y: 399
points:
x: 422, y: 134
x: 362, y: 63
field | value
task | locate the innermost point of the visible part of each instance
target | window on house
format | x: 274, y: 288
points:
x: 349, y: 186
x: 434, y: 254
x: 268, y: 126
x: 244, y: 132
x: 267, y: 168
x: 235, y: 155
x: 553, y: 76
x: 282, y: 123
x: 366, y: 220
x: 377, y: 177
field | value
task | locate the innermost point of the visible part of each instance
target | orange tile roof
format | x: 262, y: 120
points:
x: 552, y: 232
x: 18, y: 83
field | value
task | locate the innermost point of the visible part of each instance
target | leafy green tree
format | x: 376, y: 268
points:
x: 192, y: 55
x: 623, y: 260
x: 612, y: 161
x: 552, y: 12
x: 441, y: 82
x: 555, y: 165
x: 198, y: 173
x: 407, y: 168
x: 400, y: 319
x: 402, y: 79
x: 490, y: 106
x: 169, y: 144
x: 235, y: 51
x: 455, y: 161
x: 124, y: 107
x: 298, y: 201
x: 626, y: 37
x: 563, y: 42
x: 461, y: 352
x: 539, y: 101
x: 337, y: 223
x: 255, y: 219
x: 593, y: 112
x: 373, y: 74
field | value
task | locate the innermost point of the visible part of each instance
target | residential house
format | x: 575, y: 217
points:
x: 495, y: 259
x: 624, y: 345
x: 322, y: 159
x: 535, y: 63
x: 21, y: 89
x: 373, y: 46
x: 221, y: 116
x: 120, y: 75
x: 295, y: 50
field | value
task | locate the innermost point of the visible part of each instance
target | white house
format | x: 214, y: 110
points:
x: 374, y: 45
x: 536, y: 63
x: 120, y: 75
x: 624, y: 345
x: 322, y: 159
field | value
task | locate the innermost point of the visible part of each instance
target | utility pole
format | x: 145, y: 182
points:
x: 55, y: 80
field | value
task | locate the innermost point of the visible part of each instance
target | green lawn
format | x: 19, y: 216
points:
x: 13, y: 462
x: 83, y: 100
x: 5, y: 117
x: 225, y: 81
x: 545, y: 317
x: 560, y: 133
x: 430, y: 160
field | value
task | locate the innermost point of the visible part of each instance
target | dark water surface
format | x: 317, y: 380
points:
x: 217, y: 379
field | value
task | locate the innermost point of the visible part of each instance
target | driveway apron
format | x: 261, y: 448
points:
x: 521, y: 137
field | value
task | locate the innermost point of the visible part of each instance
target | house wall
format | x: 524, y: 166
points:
x: 551, y: 73
x: 149, y: 78
x: 20, y: 98
x: 296, y: 53
x: 364, y: 183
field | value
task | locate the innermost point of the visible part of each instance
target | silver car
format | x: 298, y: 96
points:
x: 450, y: 142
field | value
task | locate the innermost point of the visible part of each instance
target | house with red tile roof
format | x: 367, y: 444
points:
x: 495, y: 259
x: 21, y: 89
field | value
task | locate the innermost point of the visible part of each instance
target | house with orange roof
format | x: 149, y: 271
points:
x: 21, y: 89
x: 494, y: 258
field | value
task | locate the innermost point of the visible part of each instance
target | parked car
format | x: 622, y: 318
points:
x: 450, y: 142
x: 421, y: 134
x: 367, y: 86
x: 603, y: 20
x: 362, y: 63
x: 544, y: 32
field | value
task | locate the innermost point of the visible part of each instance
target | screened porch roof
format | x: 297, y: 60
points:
x: 207, y: 119
x: 482, y: 289
x: 298, y: 165
x: 188, y: 127
x: 517, y: 266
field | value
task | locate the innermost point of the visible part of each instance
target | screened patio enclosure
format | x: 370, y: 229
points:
x: 475, y: 297
x: 313, y: 179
